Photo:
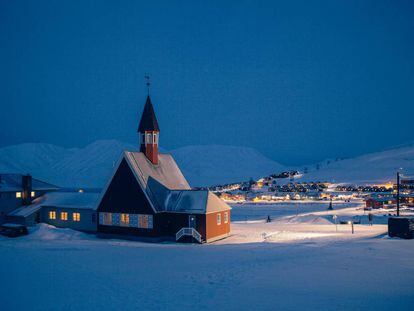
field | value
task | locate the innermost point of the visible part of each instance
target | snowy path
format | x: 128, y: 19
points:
x: 300, y: 266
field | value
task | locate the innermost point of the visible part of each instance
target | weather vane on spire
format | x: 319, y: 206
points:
x: 147, y: 77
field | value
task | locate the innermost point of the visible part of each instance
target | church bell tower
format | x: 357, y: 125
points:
x: 149, y: 131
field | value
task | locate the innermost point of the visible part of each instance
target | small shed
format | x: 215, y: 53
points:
x: 402, y: 227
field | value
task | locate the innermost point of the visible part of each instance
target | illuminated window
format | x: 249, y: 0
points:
x: 52, y: 214
x: 76, y: 216
x: 145, y: 221
x: 63, y: 216
x: 32, y: 194
x: 124, y: 220
x: 218, y: 219
x: 226, y: 217
x: 18, y: 195
x: 155, y: 139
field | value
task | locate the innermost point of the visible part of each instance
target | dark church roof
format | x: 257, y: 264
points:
x: 148, y: 119
x: 166, y: 187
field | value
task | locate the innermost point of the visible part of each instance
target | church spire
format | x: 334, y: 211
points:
x: 148, y: 119
x: 149, y: 131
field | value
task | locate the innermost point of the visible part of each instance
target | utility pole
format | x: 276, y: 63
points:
x: 398, y: 193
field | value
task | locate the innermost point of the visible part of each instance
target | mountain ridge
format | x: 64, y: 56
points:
x: 92, y: 165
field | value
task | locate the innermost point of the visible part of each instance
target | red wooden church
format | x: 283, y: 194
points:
x: 148, y: 196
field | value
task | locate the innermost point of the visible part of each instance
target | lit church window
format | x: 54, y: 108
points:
x: 218, y: 219
x: 145, y: 221
x: 18, y: 195
x: 63, y: 216
x: 76, y: 216
x: 52, y: 214
x: 226, y: 217
x: 124, y: 220
x: 32, y: 194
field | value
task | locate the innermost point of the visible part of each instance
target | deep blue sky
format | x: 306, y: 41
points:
x: 298, y: 80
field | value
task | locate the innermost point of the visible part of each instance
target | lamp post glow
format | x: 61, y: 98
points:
x: 352, y: 225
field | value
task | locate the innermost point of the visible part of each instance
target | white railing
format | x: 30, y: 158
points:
x: 188, y: 232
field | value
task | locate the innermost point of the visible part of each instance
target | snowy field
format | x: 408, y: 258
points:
x: 299, y: 261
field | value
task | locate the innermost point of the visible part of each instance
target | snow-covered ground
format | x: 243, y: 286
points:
x: 297, y: 262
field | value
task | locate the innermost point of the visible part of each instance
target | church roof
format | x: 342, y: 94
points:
x: 165, y: 172
x: 148, y: 119
x: 167, y: 189
x: 193, y: 201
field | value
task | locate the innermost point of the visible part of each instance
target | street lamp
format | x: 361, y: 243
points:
x: 352, y: 225
x: 336, y: 223
x: 398, y: 191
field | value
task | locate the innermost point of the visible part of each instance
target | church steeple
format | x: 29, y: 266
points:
x: 149, y: 130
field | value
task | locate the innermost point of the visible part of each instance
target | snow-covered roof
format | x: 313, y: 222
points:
x: 166, y: 187
x: 85, y: 200
x: 13, y: 182
x: 166, y: 172
x: 76, y: 200
x: 184, y: 201
x: 26, y: 210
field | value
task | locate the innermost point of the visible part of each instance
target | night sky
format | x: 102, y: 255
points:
x: 297, y: 80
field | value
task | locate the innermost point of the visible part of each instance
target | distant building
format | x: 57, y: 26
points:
x: 379, y: 202
x: 17, y: 190
x: 75, y: 210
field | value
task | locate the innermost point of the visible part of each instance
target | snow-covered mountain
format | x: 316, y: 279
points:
x: 92, y: 165
x: 369, y: 168
x: 216, y: 164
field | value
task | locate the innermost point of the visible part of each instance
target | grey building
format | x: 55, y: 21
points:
x: 17, y: 190
x: 74, y: 210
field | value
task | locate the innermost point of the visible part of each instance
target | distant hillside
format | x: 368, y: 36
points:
x: 215, y: 164
x: 92, y: 165
x: 373, y: 167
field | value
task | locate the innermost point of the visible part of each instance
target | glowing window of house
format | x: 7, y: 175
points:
x: 124, y: 220
x: 63, y: 216
x: 218, y: 219
x: 76, y: 216
x: 226, y: 217
x: 32, y: 194
x: 52, y: 214
x: 18, y: 195
x: 155, y: 139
